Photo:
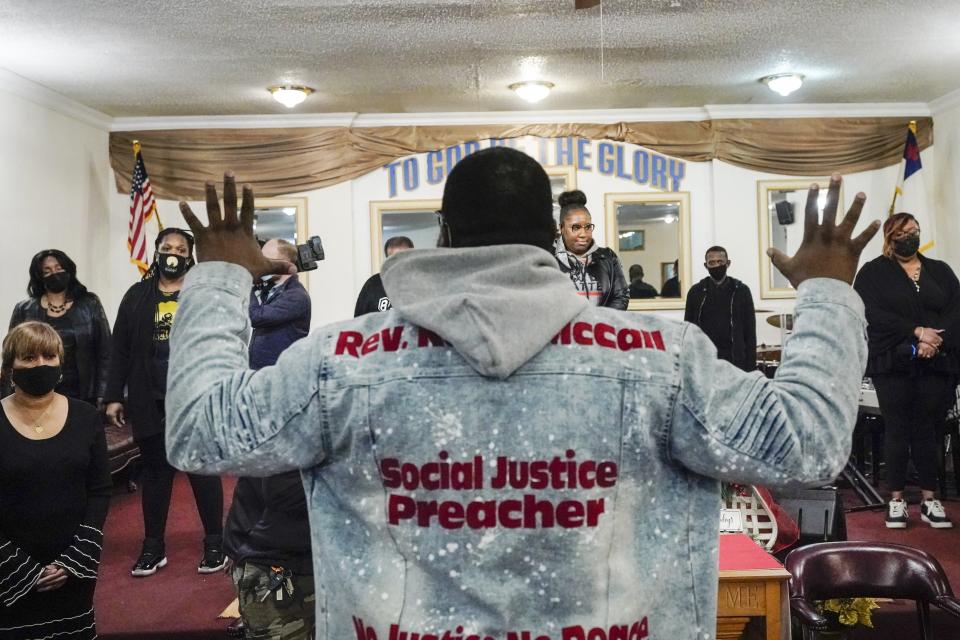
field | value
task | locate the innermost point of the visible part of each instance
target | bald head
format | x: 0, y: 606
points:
x: 280, y: 249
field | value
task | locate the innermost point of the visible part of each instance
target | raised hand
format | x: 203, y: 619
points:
x: 228, y: 238
x: 827, y: 250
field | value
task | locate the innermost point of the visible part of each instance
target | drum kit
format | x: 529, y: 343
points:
x: 769, y: 356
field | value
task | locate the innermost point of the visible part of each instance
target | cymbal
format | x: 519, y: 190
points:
x: 775, y: 320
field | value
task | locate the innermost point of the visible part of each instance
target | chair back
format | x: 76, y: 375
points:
x: 865, y: 569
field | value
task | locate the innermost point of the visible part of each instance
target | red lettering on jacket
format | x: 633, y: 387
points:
x: 347, y: 342
x: 608, y: 337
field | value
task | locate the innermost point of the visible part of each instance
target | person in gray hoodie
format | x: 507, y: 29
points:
x: 495, y: 458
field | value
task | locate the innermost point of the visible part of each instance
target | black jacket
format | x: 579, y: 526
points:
x: 268, y: 523
x: 278, y: 322
x: 372, y: 298
x: 894, y: 308
x: 605, y: 267
x: 132, y: 359
x: 740, y: 316
x: 92, y: 335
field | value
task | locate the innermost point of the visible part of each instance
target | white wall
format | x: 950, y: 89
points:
x: 946, y: 183
x: 55, y: 181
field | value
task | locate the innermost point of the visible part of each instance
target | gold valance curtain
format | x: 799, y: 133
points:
x: 282, y: 161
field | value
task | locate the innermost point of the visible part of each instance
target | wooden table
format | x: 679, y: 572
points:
x: 752, y: 584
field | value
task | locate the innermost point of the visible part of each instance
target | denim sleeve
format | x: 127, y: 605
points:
x: 793, y: 429
x: 221, y: 416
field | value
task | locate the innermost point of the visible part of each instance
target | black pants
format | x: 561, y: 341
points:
x: 914, y: 409
x: 157, y: 486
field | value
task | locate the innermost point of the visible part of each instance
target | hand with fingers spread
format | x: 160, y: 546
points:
x: 227, y: 237
x: 827, y: 250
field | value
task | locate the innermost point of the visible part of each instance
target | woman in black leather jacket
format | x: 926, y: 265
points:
x: 58, y: 298
x: 594, y: 270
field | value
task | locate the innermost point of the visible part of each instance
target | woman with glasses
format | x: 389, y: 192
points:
x: 595, y: 271
x: 913, y: 315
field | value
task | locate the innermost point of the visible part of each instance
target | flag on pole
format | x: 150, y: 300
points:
x: 910, y: 194
x: 142, y: 208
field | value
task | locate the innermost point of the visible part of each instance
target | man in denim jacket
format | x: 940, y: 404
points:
x: 494, y: 458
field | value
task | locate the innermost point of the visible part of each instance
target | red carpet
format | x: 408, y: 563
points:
x: 899, y: 620
x: 176, y: 602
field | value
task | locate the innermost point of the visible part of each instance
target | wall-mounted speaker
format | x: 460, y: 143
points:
x: 784, y: 212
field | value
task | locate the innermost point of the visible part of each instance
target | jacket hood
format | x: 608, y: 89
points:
x: 497, y: 305
x: 569, y: 258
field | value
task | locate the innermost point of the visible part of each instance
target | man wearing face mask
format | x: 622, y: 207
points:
x: 139, y: 364
x: 723, y: 307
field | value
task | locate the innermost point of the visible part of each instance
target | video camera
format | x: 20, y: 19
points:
x: 309, y: 253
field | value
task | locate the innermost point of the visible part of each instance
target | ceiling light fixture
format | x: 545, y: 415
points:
x: 783, y: 83
x: 670, y: 218
x: 532, y: 90
x: 290, y: 95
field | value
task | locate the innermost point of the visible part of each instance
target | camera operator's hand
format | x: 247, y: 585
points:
x: 228, y: 238
x: 827, y: 250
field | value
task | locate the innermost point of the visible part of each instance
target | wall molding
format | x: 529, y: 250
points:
x: 606, y: 116
x: 825, y: 110
x: 38, y: 94
x: 944, y: 102
x: 273, y: 121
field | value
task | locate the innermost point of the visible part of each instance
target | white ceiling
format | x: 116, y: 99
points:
x: 200, y: 57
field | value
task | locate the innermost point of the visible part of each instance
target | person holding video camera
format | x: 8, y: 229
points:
x: 267, y: 535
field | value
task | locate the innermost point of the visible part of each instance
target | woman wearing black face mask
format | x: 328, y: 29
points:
x: 58, y: 298
x: 139, y: 364
x: 913, y: 314
x: 54, y: 490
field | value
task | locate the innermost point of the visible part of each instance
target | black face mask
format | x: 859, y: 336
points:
x: 906, y: 246
x: 56, y: 282
x: 37, y: 381
x: 173, y: 266
x: 718, y: 273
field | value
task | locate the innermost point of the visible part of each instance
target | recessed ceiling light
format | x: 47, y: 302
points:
x: 532, y: 90
x: 783, y: 83
x: 289, y: 95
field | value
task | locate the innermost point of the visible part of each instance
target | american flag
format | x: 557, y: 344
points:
x: 142, y: 208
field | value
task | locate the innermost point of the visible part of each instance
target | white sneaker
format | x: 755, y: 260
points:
x: 897, y: 514
x: 931, y: 512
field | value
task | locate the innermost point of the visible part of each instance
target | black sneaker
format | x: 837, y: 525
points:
x: 214, y: 559
x: 897, y: 515
x: 931, y: 512
x: 151, y: 558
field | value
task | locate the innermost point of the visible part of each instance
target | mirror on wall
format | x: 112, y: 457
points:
x: 650, y: 232
x: 561, y: 179
x: 780, y: 210
x: 415, y: 219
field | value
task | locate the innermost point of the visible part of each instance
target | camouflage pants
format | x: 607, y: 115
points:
x: 267, y: 619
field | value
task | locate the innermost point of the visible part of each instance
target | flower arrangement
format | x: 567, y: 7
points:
x: 850, y: 611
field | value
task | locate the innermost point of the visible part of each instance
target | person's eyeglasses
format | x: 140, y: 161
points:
x: 902, y: 235
x: 577, y: 228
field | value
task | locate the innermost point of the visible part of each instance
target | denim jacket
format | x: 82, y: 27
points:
x: 493, y: 456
